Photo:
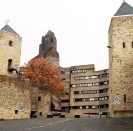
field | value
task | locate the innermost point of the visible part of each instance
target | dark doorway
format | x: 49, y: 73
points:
x: 52, y: 106
x: 33, y: 114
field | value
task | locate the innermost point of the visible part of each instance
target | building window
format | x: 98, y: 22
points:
x: 90, y: 91
x: 90, y: 84
x: 132, y: 44
x: 65, y: 72
x: 91, y: 77
x: 79, y: 71
x: 124, y: 97
x: 16, y: 111
x: 65, y: 79
x: 91, y: 99
x: 124, y: 45
x: 94, y: 107
x: 10, y: 43
x: 51, y: 39
x: 80, y: 107
x: 103, y: 90
x: 103, y: 98
x: 96, y: 84
x: 9, y: 64
x: 104, y: 75
x: 104, y: 83
x: 39, y: 98
x: 85, y: 77
x: 90, y: 106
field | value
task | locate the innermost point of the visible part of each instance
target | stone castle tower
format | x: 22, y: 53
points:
x: 48, y: 48
x: 10, y: 51
x: 121, y: 62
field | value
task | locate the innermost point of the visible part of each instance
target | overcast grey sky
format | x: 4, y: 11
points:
x: 80, y: 26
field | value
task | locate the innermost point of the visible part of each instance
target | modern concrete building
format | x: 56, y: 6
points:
x: 121, y: 62
x: 65, y: 103
x: 87, y: 90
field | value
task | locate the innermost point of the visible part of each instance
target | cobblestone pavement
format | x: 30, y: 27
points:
x: 68, y: 124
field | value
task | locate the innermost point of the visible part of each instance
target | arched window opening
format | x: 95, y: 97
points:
x: 10, y: 43
x: 124, y: 45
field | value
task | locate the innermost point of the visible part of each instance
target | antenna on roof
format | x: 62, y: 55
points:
x: 123, y: 0
x: 6, y: 22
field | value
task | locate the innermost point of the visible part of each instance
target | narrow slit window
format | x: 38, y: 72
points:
x: 124, y: 45
x: 132, y: 44
x: 125, y: 98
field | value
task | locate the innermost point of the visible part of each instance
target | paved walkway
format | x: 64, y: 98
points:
x: 68, y: 124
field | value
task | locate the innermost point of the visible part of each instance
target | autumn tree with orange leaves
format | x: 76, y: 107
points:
x: 45, y: 75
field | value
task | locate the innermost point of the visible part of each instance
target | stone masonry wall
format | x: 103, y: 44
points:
x: 43, y: 105
x: 121, y: 66
x: 9, y: 52
x: 15, y: 100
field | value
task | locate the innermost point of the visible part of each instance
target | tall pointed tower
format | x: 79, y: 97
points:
x: 10, y: 51
x: 121, y: 62
x: 48, y: 48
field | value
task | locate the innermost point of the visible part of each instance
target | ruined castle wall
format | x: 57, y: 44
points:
x: 40, y: 101
x: 15, y: 102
